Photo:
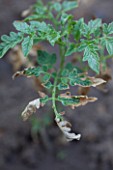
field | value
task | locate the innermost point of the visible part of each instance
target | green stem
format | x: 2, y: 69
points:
x: 108, y: 56
x: 54, y: 96
x: 62, y: 57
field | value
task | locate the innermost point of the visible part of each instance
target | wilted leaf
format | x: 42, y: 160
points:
x: 31, y: 108
x: 18, y: 73
x: 83, y: 90
x: 75, y: 101
x: 105, y: 76
x: 42, y: 94
x: 26, y: 12
x: 17, y: 59
x: 89, y: 81
x: 96, y: 81
x: 65, y: 127
x: 82, y: 79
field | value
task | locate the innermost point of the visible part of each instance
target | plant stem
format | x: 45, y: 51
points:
x: 62, y: 60
x: 54, y: 96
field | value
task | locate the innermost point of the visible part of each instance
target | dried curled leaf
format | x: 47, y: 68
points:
x: 96, y: 81
x: 31, y: 108
x: 107, y: 77
x: 18, y: 73
x: 83, y: 90
x: 65, y: 127
x: 87, y: 81
x: 75, y: 101
x: 26, y: 12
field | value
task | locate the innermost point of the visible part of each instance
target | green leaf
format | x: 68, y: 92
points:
x: 63, y: 86
x: 45, y: 58
x: 44, y: 99
x: 77, y: 29
x: 9, y: 42
x: 108, y: 29
x: 92, y: 57
x: 64, y: 80
x: 35, y: 17
x: 69, y: 101
x: 109, y: 45
x: 57, y: 6
x: 65, y: 17
x: 48, y: 85
x: 46, y: 78
x: 84, y: 82
x: 94, y: 24
x: 69, y: 67
x: 69, y: 5
x: 73, y: 73
x: 75, y: 101
x: 65, y: 72
x: 52, y: 35
x: 39, y: 26
x: 27, y: 45
x: 34, y: 71
x: 22, y: 27
x: 46, y: 32
x: 71, y: 49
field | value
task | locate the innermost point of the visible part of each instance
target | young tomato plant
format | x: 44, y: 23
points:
x: 54, y: 24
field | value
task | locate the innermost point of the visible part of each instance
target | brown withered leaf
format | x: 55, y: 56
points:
x: 42, y: 94
x: 105, y: 76
x: 96, y: 81
x: 20, y: 73
x: 18, y: 60
x: 26, y: 12
x: 38, y: 84
x: 75, y: 101
x: 83, y: 90
x: 83, y: 101
x: 31, y: 108
x: 65, y: 127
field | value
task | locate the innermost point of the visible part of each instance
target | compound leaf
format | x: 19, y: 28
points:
x: 109, y: 45
x: 9, y: 42
x: 27, y: 45
x: 69, y: 5
x: 75, y: 101
x: 44, y: 58
x: 92, y: 57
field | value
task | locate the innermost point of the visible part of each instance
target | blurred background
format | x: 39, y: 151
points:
x: 18, y: 149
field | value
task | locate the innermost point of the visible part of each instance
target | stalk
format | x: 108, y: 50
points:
x: 54, y: 92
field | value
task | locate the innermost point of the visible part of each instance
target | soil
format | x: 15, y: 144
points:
x: 18, y: 150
